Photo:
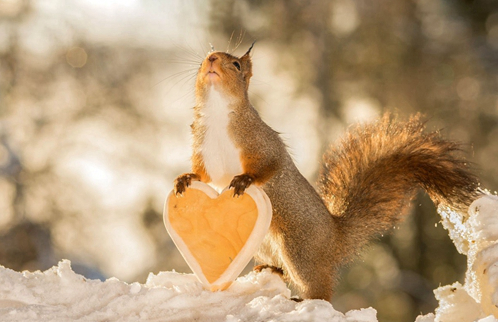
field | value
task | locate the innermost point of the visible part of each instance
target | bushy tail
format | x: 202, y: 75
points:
x: 370, y: 178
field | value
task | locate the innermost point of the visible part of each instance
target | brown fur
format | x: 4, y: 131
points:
x: 380, y: 166
x: 366, y: 182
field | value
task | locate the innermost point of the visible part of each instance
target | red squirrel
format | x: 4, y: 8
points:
x: 365, y: 186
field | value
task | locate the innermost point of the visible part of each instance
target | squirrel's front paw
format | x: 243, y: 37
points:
x: 240, y: 183
x: 183, y: 181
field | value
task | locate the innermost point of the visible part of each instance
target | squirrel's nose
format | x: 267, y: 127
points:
x: 212, y: 58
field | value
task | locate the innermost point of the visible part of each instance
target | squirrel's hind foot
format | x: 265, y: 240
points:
x: 273, y: 269
x: 279, y: 272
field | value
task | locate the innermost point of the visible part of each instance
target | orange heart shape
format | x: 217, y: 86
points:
x: 217, y: 234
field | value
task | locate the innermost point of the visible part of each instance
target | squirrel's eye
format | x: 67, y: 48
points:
x: 236, y: 64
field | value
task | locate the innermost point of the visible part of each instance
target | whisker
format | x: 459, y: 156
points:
x: 260, y: 82
x: 191, y: 94
x: 179, y: 58
x: 202, y: 47
x: 186, y: 79
x: 189, y: 52
x: 196, y: 54
x: 181, y: 62
x: 240, y: 39
x: 230, y: 41
x: 187, y: 73
x: 181, y: 83
x: 260, y: 97
x: 176, y: 88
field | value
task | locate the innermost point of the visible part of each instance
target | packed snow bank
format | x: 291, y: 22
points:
x: 59, y: 294
x: 476, y: 235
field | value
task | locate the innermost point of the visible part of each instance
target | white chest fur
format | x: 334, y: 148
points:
x: 221, y: 157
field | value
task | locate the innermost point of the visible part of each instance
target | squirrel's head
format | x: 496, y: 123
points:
x: 226, y: 73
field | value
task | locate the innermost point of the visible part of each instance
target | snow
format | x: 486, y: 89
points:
x: 476, y: 235
x: 59, y: 294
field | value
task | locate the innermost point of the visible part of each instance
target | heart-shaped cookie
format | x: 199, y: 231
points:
x: 217, y: 234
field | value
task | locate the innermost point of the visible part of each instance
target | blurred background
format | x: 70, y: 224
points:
x: 96, y: 100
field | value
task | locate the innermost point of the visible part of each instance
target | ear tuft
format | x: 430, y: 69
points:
x: 246, y: 55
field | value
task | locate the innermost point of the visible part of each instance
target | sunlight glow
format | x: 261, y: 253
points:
x: 111, y: 5
x: 360, y: 109
x: 344, y: 17
x: 95, y: 173
x: 129, y: 248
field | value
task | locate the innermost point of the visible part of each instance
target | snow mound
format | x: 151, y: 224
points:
x: 59, y: 294
x: 476, y: 235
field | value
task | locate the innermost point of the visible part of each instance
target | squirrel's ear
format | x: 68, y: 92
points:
x: 246, y: 55
x: 247, y: 65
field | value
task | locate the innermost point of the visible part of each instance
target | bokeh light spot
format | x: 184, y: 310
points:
x: 76, y: 57
x: 468, y: 88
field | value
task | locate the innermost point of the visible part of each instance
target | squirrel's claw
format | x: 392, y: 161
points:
x: 183, y: 182
x: 240, y: 183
